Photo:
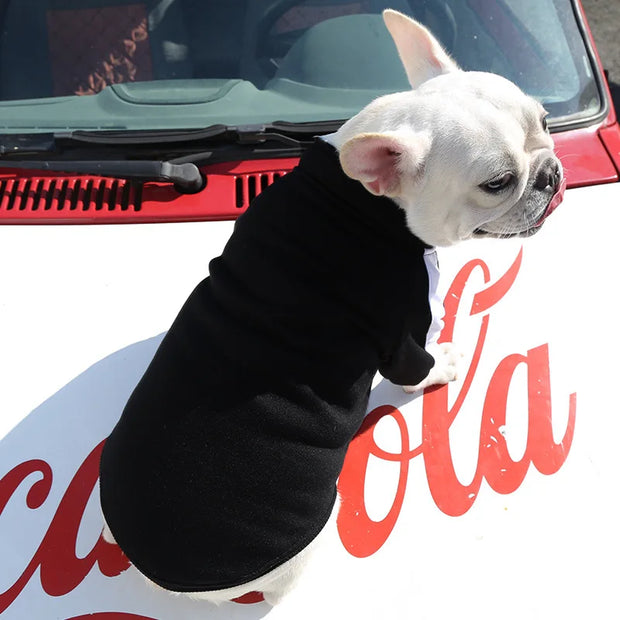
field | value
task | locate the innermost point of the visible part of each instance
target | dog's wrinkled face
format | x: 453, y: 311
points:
x: 489, y: 170
x: 465, y: 154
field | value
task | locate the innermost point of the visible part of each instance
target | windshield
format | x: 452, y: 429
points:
x: 181, y: 64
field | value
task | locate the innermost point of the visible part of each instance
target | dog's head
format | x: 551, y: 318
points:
x: 464, y: 153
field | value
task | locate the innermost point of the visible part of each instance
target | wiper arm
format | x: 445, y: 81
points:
x: 213, y: 143
x: 186, y: 176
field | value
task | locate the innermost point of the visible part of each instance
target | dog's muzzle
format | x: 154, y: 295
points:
x: 554, y: 202
x: 548, y: 179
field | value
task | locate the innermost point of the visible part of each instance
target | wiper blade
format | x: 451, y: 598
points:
x: 279, y: 131
x: 60, y: 151
x: 185, y: 176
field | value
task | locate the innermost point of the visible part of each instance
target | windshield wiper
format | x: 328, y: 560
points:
x: 186, y: 177
x: 296, y: 135
x: 180, y: 150
x: 293, y: 134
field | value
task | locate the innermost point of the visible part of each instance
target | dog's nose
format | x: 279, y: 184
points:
x: 548, y: 176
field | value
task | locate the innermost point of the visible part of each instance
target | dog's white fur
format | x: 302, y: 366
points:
x: 432, y: 150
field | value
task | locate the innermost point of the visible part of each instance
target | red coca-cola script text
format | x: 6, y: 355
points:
x: 361, y: 535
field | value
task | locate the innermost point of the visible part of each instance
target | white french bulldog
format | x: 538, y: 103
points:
x: 464, y: 154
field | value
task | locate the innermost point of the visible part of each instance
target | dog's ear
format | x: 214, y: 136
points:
x: 420, y: 52
x: 383, y: 161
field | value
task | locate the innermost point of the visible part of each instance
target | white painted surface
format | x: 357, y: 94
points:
x: 82, y: 309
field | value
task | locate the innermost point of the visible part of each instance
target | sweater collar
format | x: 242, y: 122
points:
x: 321, y: 162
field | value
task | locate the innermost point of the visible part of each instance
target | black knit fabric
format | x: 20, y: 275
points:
x: 225, y: 460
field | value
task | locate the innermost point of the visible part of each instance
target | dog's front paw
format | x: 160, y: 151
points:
x: 445, y: 369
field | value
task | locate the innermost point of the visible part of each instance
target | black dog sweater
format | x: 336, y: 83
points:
x: 225, y: 460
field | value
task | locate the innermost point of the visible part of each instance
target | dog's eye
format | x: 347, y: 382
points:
x: 543, y: 120
x: 498, y: 183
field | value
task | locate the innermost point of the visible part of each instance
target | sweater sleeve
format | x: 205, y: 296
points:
x: 409, y: 364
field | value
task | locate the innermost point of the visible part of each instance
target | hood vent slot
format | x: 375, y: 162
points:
x: 59, y: 194
x: 248, y: 186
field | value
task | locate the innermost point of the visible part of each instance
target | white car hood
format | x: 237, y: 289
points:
x: 495, y: 497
